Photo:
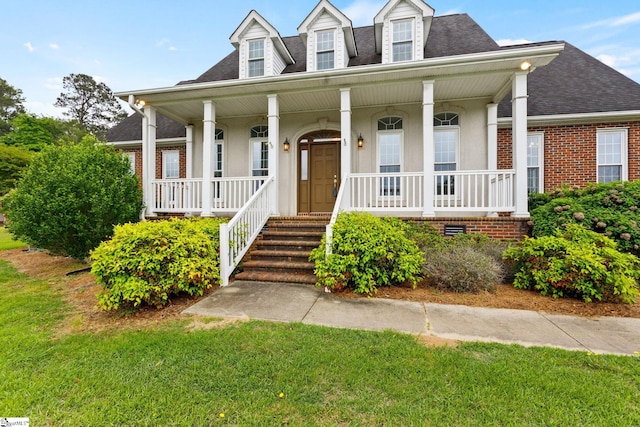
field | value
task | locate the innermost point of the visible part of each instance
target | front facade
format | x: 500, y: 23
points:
x: 415, y: 115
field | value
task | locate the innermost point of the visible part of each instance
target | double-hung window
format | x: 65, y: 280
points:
x: 612, y: 155
x: 259, y: 152
x: 170, y: 164
x: 132, y: 162
x: 535, y: 145
x: 325, y: 55
x: 256, y: 58
x: 217, y: 161
x: 446, y: 141
x: 402, y: 44
x: 390, y: 154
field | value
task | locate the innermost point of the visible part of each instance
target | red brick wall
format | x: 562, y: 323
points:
x: 570, y: 152
x: 183, y: 160
x: 503, y: 228
x: 138, y: 153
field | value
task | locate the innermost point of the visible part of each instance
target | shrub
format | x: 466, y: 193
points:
x: 71, y: 197
x: 611, y: 209
x: 426, y: 236
x: 367, y: 252
x: 462, y: 268
x: 148, y: 262
x: 13, y: 163
x: 578, y: 263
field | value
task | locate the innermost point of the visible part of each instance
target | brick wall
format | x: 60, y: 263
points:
x: 570, y: 152
x: 183, y: 160
x: 503, y: 228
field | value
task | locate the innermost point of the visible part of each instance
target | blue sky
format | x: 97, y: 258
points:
x: 138, y: 44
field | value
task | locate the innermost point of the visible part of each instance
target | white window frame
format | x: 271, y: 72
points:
x: 395, y: 42
x: 540, y: 166
x: 131, y: 155
x: 624, y: 153
x: 165, y: 156
x: 398, y: 193
x: 321, y: 51
x: 218, y: 166
x: 262, y: 139
x: 256, y: 59
x: 448, y: 128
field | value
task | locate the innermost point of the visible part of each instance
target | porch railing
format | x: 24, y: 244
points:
x: 474, y: 191
x: 238, y: 235
x: 228, y: 194
x: 385, y: 191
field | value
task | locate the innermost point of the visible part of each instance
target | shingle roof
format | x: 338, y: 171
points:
x: 574, y: 82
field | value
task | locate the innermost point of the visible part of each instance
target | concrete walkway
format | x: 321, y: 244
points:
x: 310, y: 305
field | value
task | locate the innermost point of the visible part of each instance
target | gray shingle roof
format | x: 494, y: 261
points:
x: 574, y: 82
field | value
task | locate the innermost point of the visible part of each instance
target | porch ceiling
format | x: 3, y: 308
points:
x: 472, y: 77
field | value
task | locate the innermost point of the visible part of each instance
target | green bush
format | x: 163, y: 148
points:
x: 462, y: 268
x: 611, y: 209
x: 148, y: 262
x: 13, y: 162
x: 367, y: 252
x: 578, y: 263
x: 71, y: 197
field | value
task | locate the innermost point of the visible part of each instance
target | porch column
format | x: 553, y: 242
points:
x: 345, y: 133
x: 519, y: 137
x: 428, y: 147
x: 492, y: 137
x: 149, y: 169
x: 209, y: 128
x: 274, y: 148
x: 189, y: 148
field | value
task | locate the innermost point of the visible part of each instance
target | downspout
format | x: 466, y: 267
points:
x: 134, y: 107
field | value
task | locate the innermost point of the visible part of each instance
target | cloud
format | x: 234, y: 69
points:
x: 449, y: 12
x: 511, y: 42
x: 362, y: 12
x: 54, y: 46
x: 166, y: 42
x: 632, y: 18
x: 53, y: 83
x: 29, y: 47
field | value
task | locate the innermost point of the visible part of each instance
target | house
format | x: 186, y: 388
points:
x: 416, y: 115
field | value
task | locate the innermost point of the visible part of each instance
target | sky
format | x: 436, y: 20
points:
x: 132, y: 45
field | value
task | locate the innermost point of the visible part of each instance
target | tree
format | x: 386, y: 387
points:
x: 34, y: 133
x: 72, y: 196
x: 91, y: 104
x: 13, y: 162
x: 11, y: 104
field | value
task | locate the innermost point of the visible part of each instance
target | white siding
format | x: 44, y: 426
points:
x: 324, y: 21
x: 403, y: 10
x: 278, y: 63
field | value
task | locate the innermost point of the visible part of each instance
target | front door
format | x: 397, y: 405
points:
x: 318, y: 171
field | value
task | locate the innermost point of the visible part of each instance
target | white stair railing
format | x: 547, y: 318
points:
x: 342, y: 203
x: 237, y: 236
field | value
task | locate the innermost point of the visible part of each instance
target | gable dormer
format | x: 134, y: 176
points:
x: 328, y: 35
x: 262, y: 52
x: 401, y: 29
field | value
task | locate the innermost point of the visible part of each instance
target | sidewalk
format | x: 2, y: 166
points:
x: 310, y: 305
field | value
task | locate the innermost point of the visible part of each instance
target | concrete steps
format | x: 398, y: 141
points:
x: 281, y: 252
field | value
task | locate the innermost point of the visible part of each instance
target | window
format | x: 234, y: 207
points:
x: 612, y: 155
x: 256, y: 58
x: 217, y: 162
x: 170, y: 164
x: 132, y: 162
x: 259, y: 151
x: 446, y: 141
x: 535, y: 151
x: 402, y: 45
x: 324, y: 50
x: 390, y: 154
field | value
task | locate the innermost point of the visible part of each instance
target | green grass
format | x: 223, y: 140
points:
x: 6, y: 241
x: 169, y: 376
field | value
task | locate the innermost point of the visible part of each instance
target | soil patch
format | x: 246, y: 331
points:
x: 80, y: 292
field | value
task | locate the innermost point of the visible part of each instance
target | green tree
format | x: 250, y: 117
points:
x: 13, y: 162
x: 89, y: 103
x: 34, y: 133
x: 71, y: 197
x: 11, y: 104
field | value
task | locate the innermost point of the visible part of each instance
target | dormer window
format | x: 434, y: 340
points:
x: 403, y: 40
x: 325, y: 54
x: 256, y: 58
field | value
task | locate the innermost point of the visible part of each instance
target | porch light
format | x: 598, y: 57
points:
x: 360, y: 141
x: 140, y: 103
x: 286, y: 144
x: 525, y: 65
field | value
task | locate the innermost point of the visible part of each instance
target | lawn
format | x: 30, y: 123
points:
x: 6, y: 242
x: 260, y: 373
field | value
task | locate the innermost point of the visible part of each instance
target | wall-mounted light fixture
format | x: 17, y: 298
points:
x: 286, y: 145
x: 526, y: 65
x: 360, y: 141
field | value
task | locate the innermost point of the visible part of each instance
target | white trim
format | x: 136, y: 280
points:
x: 165, y: 154
x: 566, y: 119
x: 540, y: 166
x: 624, y: 150
x: 159, y: 142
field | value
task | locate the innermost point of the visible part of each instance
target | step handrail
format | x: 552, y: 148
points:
x: 337, y: 208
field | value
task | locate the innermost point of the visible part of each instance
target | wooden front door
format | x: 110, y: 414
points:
x: 318, y: 171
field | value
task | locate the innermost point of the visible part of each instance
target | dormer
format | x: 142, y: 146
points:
x: 261, y: 49
x: 401, y: 29
x: 328, y: 35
